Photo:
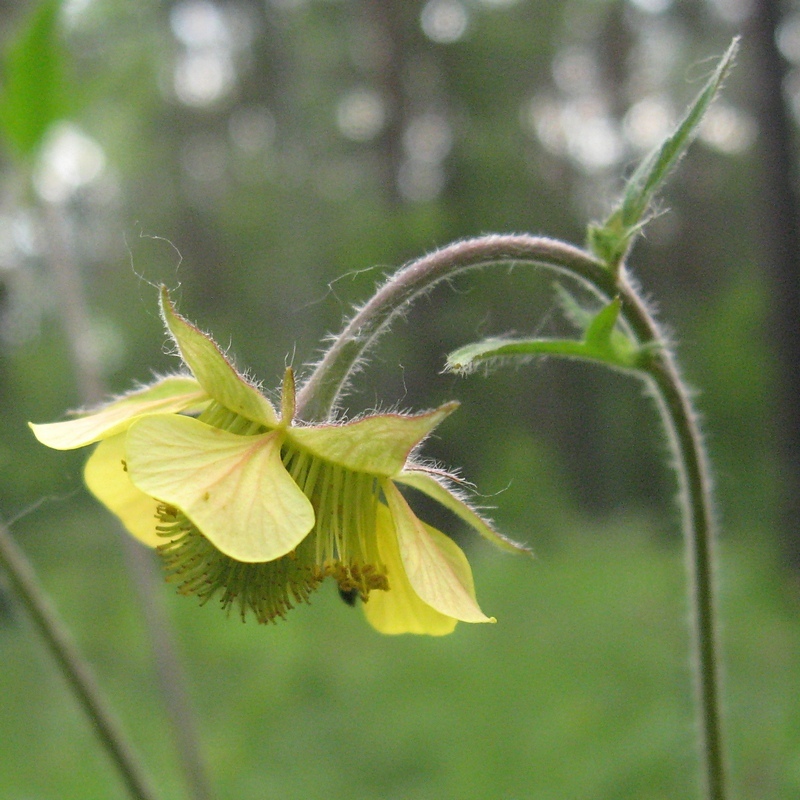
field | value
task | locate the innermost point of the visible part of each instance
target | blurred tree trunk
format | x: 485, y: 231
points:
x: 391, y: 31
x: 779, y: 244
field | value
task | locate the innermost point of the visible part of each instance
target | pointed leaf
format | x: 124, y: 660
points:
x: 172, y: 394
x: 427, y: 484
x: 598, y: 334
x: 602, y: 342
x: 213, y: 370
x: 439, y: 573
x: 108, y: 481
x: 611, y: 240
x: 235, y: 489
x: 400, y: 610
x: 466, y: 358
x: 378, y: 444
x: 654, y: 169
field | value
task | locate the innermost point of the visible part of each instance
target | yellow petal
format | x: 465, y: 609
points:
x: 436, y: 567
x: 379, y: 444
x: 168, y: 395
x: 109, y: 483
x: 214, y: 372
x: 400, y: 609
x: 235, y: 489
x: 427, y: 483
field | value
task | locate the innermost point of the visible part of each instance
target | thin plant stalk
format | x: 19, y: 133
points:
x: 699, y: 529
x: 74, y: 667
x: 318, y: 398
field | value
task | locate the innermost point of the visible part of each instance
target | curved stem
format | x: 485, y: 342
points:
x: 74, y: 667
x: 319, y: 395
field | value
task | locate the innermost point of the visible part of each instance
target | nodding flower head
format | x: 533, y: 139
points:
x: 246, y: 503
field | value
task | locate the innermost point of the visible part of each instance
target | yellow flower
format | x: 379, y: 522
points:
x: 258, y: 508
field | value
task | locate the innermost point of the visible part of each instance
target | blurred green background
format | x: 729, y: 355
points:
x: 275, y: 159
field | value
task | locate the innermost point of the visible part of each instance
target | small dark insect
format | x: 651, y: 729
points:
x: 349, y: 596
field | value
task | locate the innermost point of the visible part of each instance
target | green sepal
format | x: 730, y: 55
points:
x: 426, y: 483
x: 214, y: 372
x: 611, y: 240
x: 379, y: 444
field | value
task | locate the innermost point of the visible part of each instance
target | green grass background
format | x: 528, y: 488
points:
x: 581, y: 690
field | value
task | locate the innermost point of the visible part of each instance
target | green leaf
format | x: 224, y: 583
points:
x: 602, y: 342
x: 601, y: 328
x: 653, y: 171
x: 611, y: 240
x: 32, y: 96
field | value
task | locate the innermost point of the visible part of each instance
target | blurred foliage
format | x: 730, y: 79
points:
x: 582, y: 689
x: 276, y: 158
x: 33, y: 98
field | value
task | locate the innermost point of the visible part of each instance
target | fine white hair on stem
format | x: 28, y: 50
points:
x: 319, y: 394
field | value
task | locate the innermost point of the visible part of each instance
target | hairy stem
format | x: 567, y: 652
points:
x: 691, y: 466
x: 320, y: 393
x: 73, y: 666
x: 318, y: 397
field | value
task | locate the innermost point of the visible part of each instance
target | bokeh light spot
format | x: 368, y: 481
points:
x: 360, y: 115
x: 70, y: 160
x: 444, y: 21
